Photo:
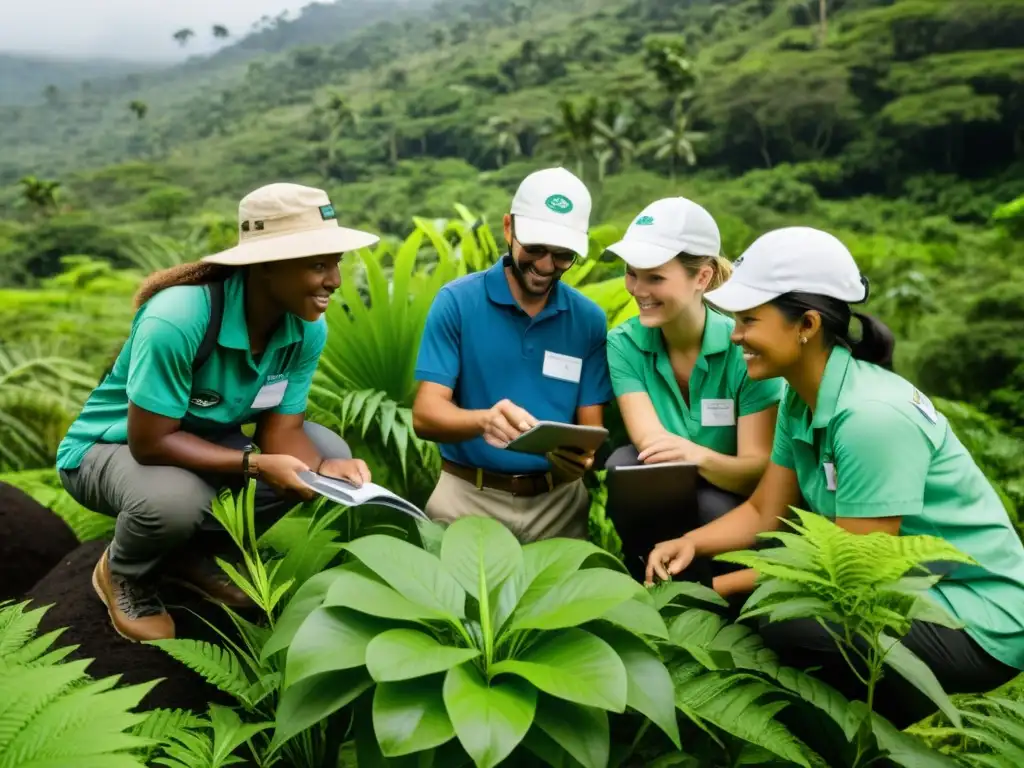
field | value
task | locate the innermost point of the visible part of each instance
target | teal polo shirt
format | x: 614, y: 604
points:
x: 481, y: 344
x: 154, y: 370
x: 720, y: 391
x: 876, y: 447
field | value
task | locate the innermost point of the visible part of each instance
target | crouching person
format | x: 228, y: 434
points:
x: 233, y: 339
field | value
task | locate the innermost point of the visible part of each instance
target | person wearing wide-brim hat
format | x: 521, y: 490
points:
x: 230, y: 340
x: 681, y: 384
x: 862, y: 446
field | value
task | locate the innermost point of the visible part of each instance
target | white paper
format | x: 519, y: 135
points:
x: 717, y: 413
x: 562, y: 367
x: 270, y: 395
x: 351, y: 496
x: 830, y: 475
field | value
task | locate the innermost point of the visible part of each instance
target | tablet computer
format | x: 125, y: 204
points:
x: 546, y: 436
x: 666, y: 491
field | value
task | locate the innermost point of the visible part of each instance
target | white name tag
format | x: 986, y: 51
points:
x: 270, y: 395
x: 562, y: 367
x: 717, y: 413
x: 830, y: 475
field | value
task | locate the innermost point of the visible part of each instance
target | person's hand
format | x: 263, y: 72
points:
x: 281, y: 471
x: 669, y: 558
x: 672, y: 448
x: 353, y: 471
x: 504, y: 422
x: 568, y: 465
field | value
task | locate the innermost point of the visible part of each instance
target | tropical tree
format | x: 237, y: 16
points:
x: 612, y: 136
x: 220, y: 31
x: 664, y: 55
x: 503, y: 134
x: 183, y: 35
x: 675, y: 143
x: 139, y: 108
x: 40, y: 193
x: 575, y: 130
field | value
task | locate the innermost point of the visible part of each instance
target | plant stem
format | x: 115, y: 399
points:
x: 485, y: 618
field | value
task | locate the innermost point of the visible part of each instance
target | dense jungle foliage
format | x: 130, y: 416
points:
x: 898, y: 125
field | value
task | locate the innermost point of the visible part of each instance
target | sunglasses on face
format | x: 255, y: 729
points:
x: 561, y: 257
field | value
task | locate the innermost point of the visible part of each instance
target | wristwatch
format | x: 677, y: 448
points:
x: 249, y: 470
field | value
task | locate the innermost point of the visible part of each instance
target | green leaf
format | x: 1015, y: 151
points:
x: 402, y: 654
x: 918, y: 674
x: 581, y: 731
x: 489, y: 719
x: 331, y: 639
x: 637, y: 617
x: 412, y: 572
x: 410, y: 716
x: 364, y: 593
x: 583, y: 596
x: 306, y: 598
x: 574, y: 665
x: 649, y: 687
x: 668, y: 591
x: 475, y: 545
x: 316, y: 698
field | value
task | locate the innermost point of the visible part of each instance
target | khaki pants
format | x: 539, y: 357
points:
x: 563, y: 512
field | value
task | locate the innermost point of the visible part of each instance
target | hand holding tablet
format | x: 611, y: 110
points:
x: 547, y: 436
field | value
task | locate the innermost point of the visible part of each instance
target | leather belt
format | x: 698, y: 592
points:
x: 532, y: 484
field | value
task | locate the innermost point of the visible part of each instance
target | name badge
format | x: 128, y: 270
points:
x: 830, y: 475
x: 562, y: 367
x: 717, y: 413
x: 270, y: 395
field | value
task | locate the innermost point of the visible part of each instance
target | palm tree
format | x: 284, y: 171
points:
x: 40, y: 193
x: 611, y: 140
x: 675, y: 142
x: 503, y: 132
x: 183, y: 35
x: 220, y: 31
x: 575, y: 131
x: 339, y: 116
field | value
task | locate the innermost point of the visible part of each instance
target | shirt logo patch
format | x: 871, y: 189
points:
x: 559, y: 204
x: 204, y: 399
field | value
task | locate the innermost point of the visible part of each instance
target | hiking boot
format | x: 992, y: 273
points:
x: 133, y: 605
x: 204, y: 576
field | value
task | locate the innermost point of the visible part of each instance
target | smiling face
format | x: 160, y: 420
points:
x: 664, y: 292
x: 771, y: 341
x: 304, y: 286
x: 537, y: 267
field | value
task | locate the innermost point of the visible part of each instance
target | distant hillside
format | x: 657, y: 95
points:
x: 24, y: 79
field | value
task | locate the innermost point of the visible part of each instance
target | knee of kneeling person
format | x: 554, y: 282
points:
x: 173, y: 510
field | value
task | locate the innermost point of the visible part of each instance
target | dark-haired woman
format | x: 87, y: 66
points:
x: 681, y: 385
x: 865, y: 448
x: 161, y: 434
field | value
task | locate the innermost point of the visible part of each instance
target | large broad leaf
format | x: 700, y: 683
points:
x: 410, y: 716
x: 490, y: 720
x: 545, y: 564
x: 582, y: 596
x: 480, y: 553
x: 360, y: 592
x: 573, y: 665
x: 402, y: 654
x: 331, y: 639
x: 649, y: 687
x: 306, y: 599
x: 581, y: 731
x: 315, y: 699
x: 638, y: 617
x: 415, y: 574
x: 918, y: 674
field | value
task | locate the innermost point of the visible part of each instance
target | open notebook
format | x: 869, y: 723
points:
x: 350, y: 496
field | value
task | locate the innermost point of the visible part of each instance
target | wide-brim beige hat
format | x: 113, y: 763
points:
x: 285, y: 221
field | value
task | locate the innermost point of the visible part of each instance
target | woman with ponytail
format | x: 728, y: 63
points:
x: 231, y: 340
x: 681, y: 385
x: 862, y: 446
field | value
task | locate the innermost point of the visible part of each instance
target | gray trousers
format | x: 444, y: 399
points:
x: 161, y: 508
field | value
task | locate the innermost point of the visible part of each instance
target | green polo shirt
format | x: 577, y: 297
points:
x: 154, y: 370
x: 720, y: 390
x: 876, y: 447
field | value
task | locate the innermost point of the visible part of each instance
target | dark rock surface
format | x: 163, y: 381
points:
x: 32, y: 541
x: 68, y: 587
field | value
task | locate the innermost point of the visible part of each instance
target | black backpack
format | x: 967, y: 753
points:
x: 216, y: 292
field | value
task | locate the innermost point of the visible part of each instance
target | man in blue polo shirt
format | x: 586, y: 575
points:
x: 505, y: 348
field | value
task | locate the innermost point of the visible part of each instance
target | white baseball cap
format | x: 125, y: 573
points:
x: 790, y: 259
x: 666, y: 228
x: 552, y: 207
x: 283, y: 221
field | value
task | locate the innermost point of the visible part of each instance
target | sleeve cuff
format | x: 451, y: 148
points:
x: 436, y: 378
x: 758, y: 405
x: 903, y: 508
x: 157, y: 406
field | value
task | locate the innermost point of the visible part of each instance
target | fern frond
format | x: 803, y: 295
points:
x: 217, y: 665
x: 17, y: 625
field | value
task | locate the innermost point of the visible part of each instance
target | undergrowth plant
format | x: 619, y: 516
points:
x: 474, y: 649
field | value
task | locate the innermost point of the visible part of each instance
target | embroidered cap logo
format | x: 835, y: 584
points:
x: 645, y: 221
x: 559, y: 204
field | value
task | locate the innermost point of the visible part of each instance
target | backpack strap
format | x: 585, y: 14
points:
x: 216, y: 291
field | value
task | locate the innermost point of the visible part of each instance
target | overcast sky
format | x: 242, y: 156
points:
x: 128, y: 29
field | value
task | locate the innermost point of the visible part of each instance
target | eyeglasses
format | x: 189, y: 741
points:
x: 561, y: 257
